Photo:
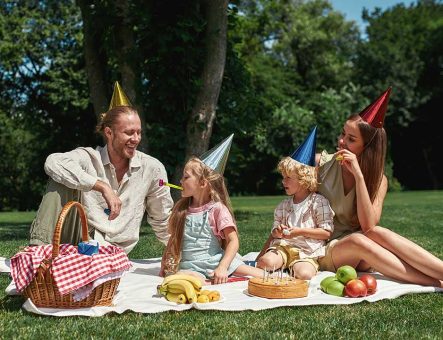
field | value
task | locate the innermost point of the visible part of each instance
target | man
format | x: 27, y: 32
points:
x: 116, y: 184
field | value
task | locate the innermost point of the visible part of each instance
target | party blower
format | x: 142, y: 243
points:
x: 162, y: 183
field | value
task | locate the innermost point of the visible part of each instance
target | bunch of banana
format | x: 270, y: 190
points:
x: 180, y: 288
x: 183, y: 288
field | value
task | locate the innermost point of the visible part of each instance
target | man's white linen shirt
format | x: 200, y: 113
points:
x: 138, y: 191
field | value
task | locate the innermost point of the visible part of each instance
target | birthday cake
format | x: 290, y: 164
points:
x: 278, y: 288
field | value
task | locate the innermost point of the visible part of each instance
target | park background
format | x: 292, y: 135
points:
x: 199, y: 70
x: 281, y: 67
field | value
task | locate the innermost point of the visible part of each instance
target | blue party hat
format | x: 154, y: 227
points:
x: 217, y: 157
x: 305, y: 153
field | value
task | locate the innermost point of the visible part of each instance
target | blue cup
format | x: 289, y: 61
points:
x: 88, y: 248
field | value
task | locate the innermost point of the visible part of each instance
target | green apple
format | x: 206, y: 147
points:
x: 326, y: 281
x: 336, y: 288
x: 345, y: 274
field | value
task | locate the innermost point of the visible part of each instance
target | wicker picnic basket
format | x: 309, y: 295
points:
x: 42, y: 290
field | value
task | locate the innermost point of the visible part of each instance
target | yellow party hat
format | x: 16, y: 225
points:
x: 118, y: 97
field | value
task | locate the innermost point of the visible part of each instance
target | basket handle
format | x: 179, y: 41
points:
x: 61, y: 219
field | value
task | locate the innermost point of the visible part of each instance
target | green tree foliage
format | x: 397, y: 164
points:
x: 43, y: 96
x: 290, y: 64
x: 405, y: 50
x: 298, y: 63
x: 17, y: 147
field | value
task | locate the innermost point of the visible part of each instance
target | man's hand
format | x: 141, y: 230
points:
x: 112, y: 200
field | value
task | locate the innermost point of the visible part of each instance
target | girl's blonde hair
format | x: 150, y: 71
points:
x: 176, y: 225
x: 372, y: 159
x: 305, y: 174
x: 109, y: 119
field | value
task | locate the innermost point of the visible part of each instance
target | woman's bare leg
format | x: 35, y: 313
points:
x: 408, y: 251
x: 361, y: 252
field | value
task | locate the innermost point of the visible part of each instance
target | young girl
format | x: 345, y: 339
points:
x: 199, y: 222
x: 303, y: 222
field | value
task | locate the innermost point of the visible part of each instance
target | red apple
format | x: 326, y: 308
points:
x: 355, y: 288
x: 370, y: 283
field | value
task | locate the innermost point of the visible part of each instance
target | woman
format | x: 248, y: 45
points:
x: 353, y: 181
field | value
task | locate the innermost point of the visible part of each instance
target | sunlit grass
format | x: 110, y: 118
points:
x: 416, y: 215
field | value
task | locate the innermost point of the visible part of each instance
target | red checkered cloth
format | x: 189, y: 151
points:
x: 70, y: 270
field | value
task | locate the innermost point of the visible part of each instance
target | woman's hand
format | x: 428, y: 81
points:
x: 220, y: 275
x: 349, y: 160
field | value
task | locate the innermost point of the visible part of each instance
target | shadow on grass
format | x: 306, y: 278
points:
x: 11, y: 303
x: 13, y: 231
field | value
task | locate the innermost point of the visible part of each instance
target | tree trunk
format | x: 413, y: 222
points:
x: 428, y: 164
x: 200, y: 123
x: 95, y: 57
x: 125, y: 51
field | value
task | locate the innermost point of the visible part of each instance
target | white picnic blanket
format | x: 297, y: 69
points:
x: 137, y: 292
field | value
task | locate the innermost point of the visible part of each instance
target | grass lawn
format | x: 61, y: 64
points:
x: 416, y: 215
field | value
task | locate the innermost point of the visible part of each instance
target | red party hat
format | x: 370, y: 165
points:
x: 374, y: 114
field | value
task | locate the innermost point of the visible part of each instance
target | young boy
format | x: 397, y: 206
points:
x: 302, y: 222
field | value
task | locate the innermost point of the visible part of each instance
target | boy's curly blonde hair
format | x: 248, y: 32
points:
x: 305, y: 174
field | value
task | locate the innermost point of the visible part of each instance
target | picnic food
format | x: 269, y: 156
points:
x: 327, y: 281
x: 370, y: 283
x: 192, y: 279
x: 179, y: 287
x: 345, y: 274
x: 178, y: 298
x: 355, y: 288
x: 339, y: 285
x: 49, y: 286
x: 203, y: 299
x: 335, y: 288
x: 277, y: 287
x: 214, y: 295
x: 182, y: 288
x: 339, y: 158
